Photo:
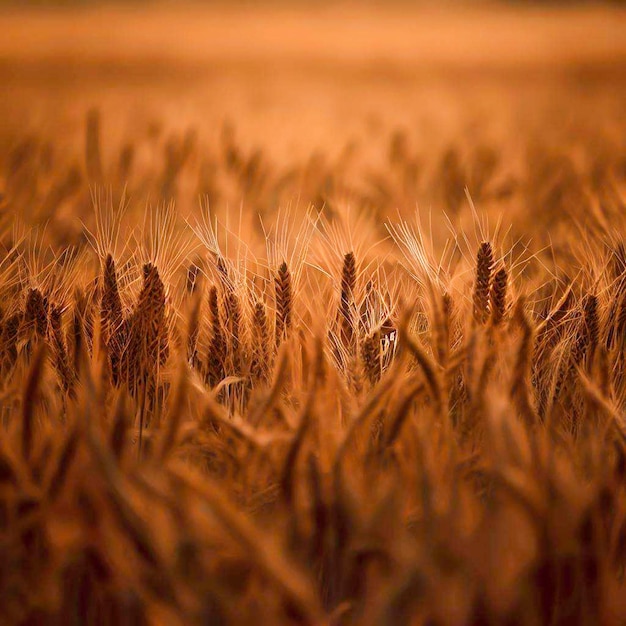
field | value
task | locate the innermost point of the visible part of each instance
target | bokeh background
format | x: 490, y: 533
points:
x: 313, y: 91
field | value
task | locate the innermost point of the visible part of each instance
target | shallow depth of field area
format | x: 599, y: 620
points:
x: 313, y: 315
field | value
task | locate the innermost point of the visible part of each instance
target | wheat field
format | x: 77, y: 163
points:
x: 313, y: 333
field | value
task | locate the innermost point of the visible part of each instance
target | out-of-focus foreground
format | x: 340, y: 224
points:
x: 245, y: 380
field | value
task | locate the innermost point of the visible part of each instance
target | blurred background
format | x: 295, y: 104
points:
x: 302, y: 65
x: 314, y: 95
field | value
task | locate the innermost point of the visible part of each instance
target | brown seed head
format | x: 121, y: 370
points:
x: 484, y: 265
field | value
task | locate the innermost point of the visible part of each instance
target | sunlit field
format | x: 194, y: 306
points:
x: 313, y: 315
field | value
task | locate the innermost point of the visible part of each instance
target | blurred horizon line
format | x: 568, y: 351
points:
x: 199, y: 37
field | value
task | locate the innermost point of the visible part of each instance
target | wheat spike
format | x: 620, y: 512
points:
x: 284, y: 303
x: 260, y: 366
x: 35, y: 319
x: 348, y: 285
x: 520, y: 387
x: 217, y: 346
x: 372, y: 357
x: 8, y: 339
x: 498, y: 295
x: 484, y: 265
x: 234, y: 320
x: 147, y: 346
x: 61, y: 359
x: 31, y: 390
x: 193, y: 329
x: 112, y: 322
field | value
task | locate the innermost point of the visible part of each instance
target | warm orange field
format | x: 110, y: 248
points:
x: 313, y: 315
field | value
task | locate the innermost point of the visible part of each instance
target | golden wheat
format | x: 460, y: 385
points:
x: 308, y: 421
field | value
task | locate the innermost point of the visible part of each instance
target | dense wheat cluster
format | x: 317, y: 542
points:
x: 242, y: 387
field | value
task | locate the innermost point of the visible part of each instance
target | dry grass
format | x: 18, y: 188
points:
x: 344, y: 412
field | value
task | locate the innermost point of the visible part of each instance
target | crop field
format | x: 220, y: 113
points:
x: 313, y: 315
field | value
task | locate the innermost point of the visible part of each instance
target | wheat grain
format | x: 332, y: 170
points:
x: 498, y: 296
x: 284, y: 303
x: 217, y: 346
x: 348, y: 285
x: 484, y: 266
